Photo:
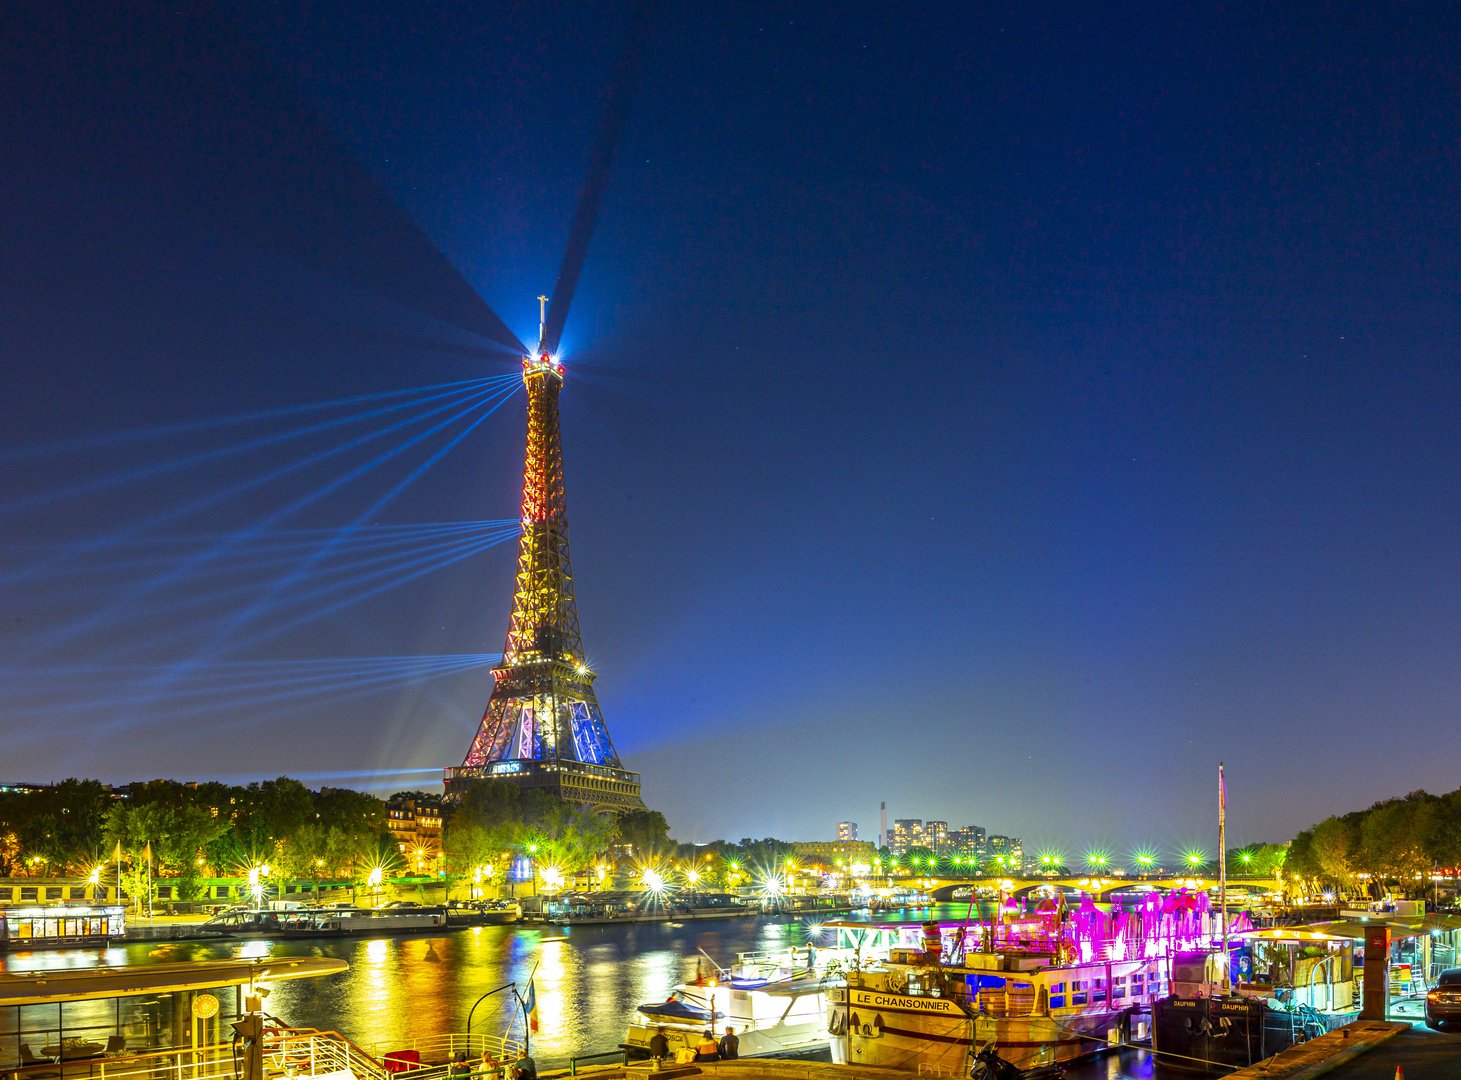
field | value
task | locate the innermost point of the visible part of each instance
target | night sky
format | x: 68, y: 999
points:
x: 1007, y: 412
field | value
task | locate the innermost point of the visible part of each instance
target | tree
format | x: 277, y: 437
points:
x: 190, y: 831
x: 567, y: 838
x: 1262, y: 860
x: 139, y: 830
x: 349, y: 810
x: 646, y: 833
x: 920, y: 856
x: 272, y: 811
x: 1335, y: 847
x: 55, y: 829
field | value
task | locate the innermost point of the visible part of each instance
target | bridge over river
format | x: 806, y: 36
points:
x: 946, y: 890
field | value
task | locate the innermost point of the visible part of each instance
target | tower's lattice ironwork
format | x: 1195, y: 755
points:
x: 543, y: 727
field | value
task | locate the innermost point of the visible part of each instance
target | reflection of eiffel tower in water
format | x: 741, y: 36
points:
x: 543, y: 728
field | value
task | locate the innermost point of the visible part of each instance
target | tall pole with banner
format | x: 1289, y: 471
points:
x: 1223, y: 872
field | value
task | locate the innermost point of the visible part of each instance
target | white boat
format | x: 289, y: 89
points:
x: 775, y: 1002
x: 1046, y: 985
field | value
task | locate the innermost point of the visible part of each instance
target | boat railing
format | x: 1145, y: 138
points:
x: 786, y: 957
x: 445, y: 1046
x: 307, y: 1052
x: 286, y: 1054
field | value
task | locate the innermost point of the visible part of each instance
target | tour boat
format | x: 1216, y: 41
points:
x: 324, y: 922
x: 1045, y: 985
x: 774, y: 1000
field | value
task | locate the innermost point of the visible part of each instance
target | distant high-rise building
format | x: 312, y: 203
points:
x: 1007, y: 852
x: 846, y: 830
x: 967, y: 842
x: 883, y: 825
x: 907, y: 833
x: 936, y: 836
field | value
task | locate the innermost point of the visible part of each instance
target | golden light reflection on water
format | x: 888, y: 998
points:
x: 589, y: 979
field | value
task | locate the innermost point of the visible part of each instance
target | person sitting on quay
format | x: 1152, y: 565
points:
x: 525, y: 1068
x: 730, y: 1046
x: 488, y: 1067
x: 707, y: 1049
x: 459, y: 1069
x: 659, y: 1046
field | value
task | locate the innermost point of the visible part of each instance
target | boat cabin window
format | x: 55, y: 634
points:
x: 88, y: 1028
x: 5, y: 892
x: 917, y: 987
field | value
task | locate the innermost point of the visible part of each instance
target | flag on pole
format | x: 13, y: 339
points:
x: 147, y: 852
x: 530, y: 1006
x: 117, y: 854
x: 1222, y: 789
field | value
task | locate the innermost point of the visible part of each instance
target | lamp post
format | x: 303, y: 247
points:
x: 473, y: 1009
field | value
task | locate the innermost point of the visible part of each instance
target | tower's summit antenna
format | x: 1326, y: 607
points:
x: 542, y: 322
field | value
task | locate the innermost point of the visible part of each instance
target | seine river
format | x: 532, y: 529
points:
x: 589, y: 979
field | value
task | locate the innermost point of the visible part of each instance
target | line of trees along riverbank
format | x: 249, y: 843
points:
x: 188, y: 832
x: 1400, y: 842
x: 197, y: 831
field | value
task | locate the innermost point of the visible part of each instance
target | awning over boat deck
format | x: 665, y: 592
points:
x: 1303, y: 935
x: 79, y: 984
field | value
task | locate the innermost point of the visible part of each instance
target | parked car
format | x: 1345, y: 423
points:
x: 1443, y: 1004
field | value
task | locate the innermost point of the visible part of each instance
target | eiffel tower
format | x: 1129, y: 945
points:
x: 543, y: 728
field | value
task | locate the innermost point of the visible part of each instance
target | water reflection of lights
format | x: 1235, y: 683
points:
x: 254, y: 950
x: 589, y: 982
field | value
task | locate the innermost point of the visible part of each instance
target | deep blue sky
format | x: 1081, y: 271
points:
x: 1007, y: 413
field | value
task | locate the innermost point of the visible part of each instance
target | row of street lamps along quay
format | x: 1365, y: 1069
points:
x: 1053, y: 864
x: 670, y: 876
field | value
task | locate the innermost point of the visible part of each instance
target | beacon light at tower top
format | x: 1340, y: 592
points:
x: 540, y: 359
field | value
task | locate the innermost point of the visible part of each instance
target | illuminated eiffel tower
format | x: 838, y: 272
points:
x: 543, y: 728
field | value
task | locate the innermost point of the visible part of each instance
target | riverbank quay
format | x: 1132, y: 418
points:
x: 1420, y: 1052
x: 741, y: 1069
x: 1321, y: 1056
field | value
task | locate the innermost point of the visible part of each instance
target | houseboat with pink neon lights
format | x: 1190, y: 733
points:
x: 1044, y: 983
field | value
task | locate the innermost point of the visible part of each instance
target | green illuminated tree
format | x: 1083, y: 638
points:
x: 187, y: 832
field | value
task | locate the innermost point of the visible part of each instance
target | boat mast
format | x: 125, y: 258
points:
x: 1223, y: 871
